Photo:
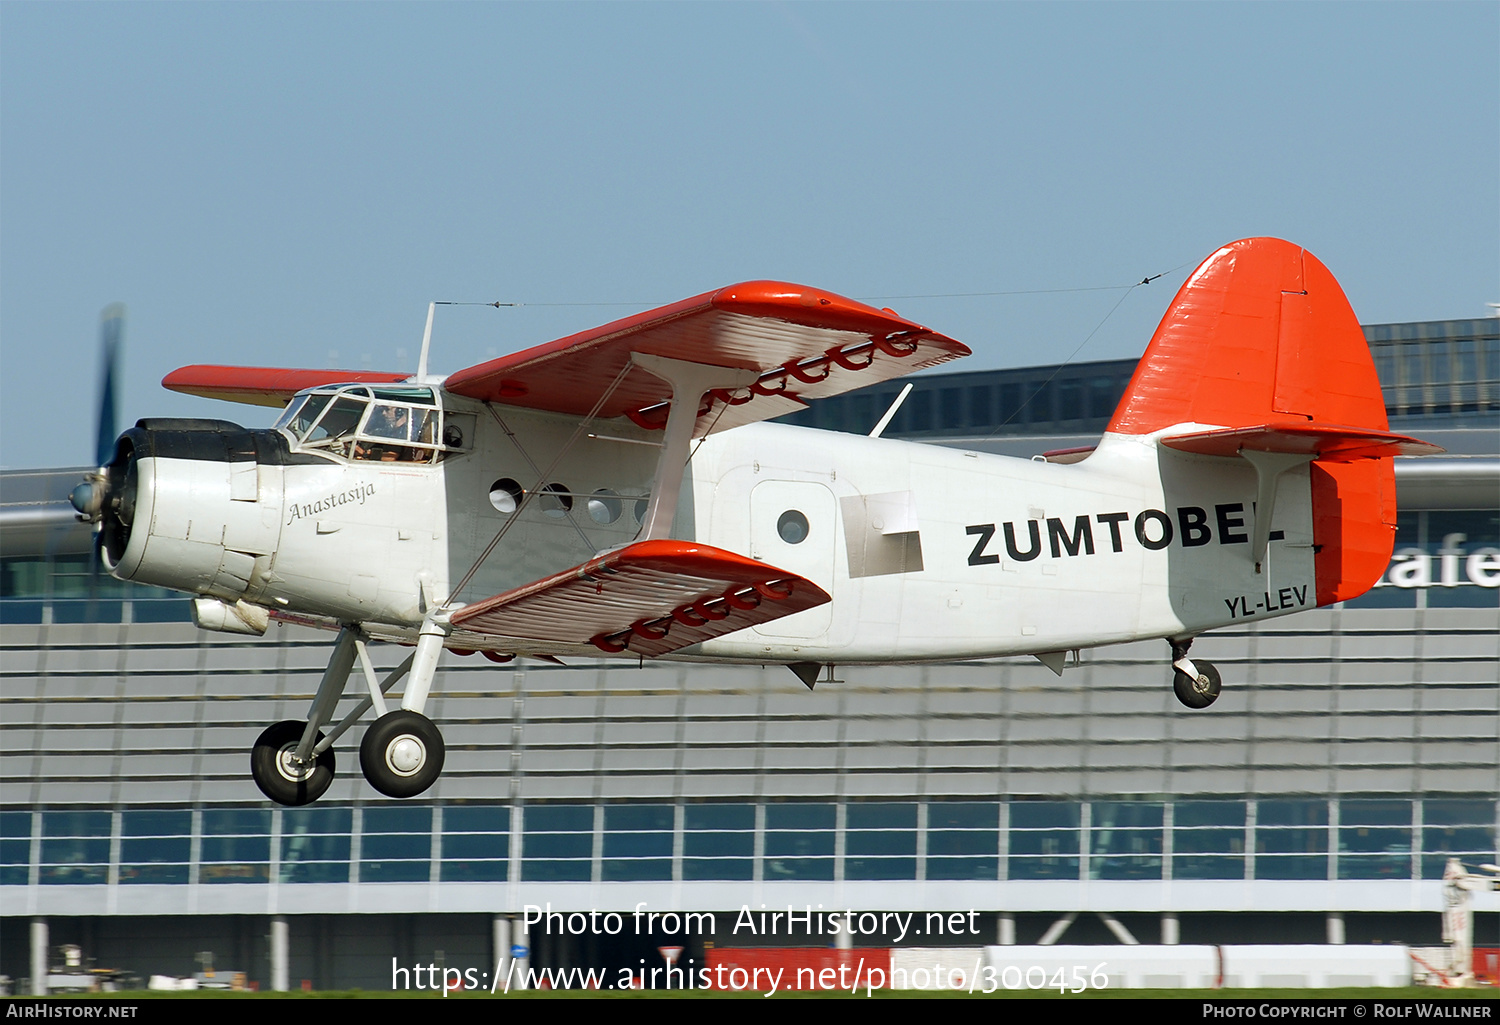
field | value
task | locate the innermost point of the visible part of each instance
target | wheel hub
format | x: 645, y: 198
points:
x: 290, y: 768
x: 405, y: 755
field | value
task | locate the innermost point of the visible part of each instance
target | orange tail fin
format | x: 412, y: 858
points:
x: 1259, y: 333
x: 1261, y: 342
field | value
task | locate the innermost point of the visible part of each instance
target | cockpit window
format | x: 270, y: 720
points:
x: 418, y: 396
x: 290, y: 412
x: 389, y: 424
x: 386, y: 424
x: 302, y: 413
x: 390, y: 421
x: 338, y: 420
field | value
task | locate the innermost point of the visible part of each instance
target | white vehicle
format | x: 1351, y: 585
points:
x: 615, y: 493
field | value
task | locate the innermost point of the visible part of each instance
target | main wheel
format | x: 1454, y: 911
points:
x: 278, y: 776
x: 1199, y: 692
x: 402, y: 753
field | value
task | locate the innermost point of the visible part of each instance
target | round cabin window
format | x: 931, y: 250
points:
x: 604, y: 506
x: 556, y: 500
x: 792, y: 526
x: 506, y: 495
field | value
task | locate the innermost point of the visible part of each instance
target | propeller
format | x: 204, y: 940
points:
x: 106, y: 498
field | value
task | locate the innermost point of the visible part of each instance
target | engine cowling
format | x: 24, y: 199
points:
x: 191, y: 505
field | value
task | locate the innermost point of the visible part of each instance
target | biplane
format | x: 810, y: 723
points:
x: 618, y: 493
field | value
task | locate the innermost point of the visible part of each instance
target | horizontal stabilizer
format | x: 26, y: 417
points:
x: 1332, y: 443
x: 264, y: 386
x: 650, y: 598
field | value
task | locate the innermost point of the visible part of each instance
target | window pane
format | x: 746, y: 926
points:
x: 558, y: 843
x: 637, y: 842
x: 1038, y: 852
x: 1208, y: 840
x: 799, y: 841
x: 1462, y: 828
x: 1125, y: 840
x: 476, y: 843
x: 718, y: 841
x: 75, y: 847
x: 880, y: 840
x: 963, y: 840
x: 1291, y: 839
x: 315, y: 845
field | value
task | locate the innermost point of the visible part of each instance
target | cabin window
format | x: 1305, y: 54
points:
x: 557, y: 500
x: 792, y: 526
x: 604, y: 506
x: 506, y: 495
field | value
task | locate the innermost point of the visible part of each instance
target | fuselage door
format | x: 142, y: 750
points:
x: 792, y: 527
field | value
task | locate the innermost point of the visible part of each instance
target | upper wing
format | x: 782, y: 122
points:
x: 650, y: 597
x: 804, y: 343
x: 264, y: 386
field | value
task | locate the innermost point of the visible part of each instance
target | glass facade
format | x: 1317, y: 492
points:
x: 1439, y: 368
x: 72, y: 588
x: 474, y: 843
x: 1442, y: 559
x: 1292, y: 838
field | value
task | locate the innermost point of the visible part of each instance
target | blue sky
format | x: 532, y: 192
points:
x: 290, y: 184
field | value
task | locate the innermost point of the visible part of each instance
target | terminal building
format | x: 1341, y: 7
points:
x: 1354, y: 751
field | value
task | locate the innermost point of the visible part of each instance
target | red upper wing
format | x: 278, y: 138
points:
x: 805, y: 344
x: 264, y: 386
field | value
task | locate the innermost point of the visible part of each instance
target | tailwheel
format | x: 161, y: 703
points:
x: 402, y: 753
x: 277, y: 772
x: 1199, y: 690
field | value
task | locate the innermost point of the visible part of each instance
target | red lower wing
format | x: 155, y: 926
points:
x: 649, y: 598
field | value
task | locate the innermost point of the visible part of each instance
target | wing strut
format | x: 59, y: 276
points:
x: 541, y: 481
x: 690, y: 382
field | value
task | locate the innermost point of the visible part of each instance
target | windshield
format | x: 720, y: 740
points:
x: 385, y: 424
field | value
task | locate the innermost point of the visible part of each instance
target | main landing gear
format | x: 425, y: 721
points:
x: 280, y: 775
x: 1195, y: 681
x: 402, y: 751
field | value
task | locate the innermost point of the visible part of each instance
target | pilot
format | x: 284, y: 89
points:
x: 388, y: 422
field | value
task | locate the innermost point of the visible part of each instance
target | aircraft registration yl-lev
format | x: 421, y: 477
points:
x: 615, y: 492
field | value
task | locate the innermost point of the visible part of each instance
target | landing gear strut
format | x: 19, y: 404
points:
x: 402, y: 752
x: 1195, y: 681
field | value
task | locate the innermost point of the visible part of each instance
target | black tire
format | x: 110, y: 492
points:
x: 1203, y: 691
x: 402, y: 753
x: 270, y: 764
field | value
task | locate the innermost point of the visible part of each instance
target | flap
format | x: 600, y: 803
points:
x: 650, y: 598
x: 805, y: 344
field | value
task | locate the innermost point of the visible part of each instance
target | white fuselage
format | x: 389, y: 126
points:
x: 928, y: 552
